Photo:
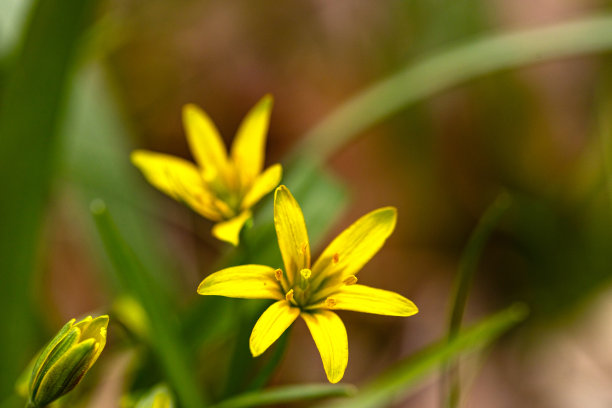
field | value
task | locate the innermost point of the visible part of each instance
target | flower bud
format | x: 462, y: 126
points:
x: 63, y: 362
x: 158, y: 397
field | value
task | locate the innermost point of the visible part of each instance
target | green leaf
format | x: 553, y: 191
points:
x: 31, y: 107
x: 448, y: 68
x: 97, y: 164
x: 167, y: 343
x: 13, y: 14
x: 287, y: 394
x: 463, y: 282
x: 399, y: 381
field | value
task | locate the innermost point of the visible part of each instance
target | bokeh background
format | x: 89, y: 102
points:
x: 537, y: 132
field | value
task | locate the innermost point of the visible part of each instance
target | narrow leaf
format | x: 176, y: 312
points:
x: 461, y: 288
x: 399, y: 381
x: 448, y: 68
x: 287, y: 394
x: 31, y: 106
x: 165, y: 337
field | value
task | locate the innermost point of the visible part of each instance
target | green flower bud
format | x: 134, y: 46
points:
x: 158, y: 397
x: 63, y: 362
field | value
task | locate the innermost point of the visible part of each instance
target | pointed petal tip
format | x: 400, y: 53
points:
x: 190, y: 108
x: 282, y: 189
x: 255, y: 352
x: 265, y: 103
x: 103, y: 318
x: 335, y: 380
x: 229, y: 231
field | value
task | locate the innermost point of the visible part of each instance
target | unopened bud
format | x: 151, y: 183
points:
x: 158, y: 397
x: 61, y: 365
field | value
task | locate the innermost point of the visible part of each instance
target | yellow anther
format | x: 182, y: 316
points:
x: 350, y: 280
x: 289, y: 295
x: 330, y: 302
x: 336, y: 258
x: 278, y: 274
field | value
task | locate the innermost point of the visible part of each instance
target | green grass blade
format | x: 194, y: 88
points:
x: 13, y: 14
x: 451, y: 67
x: 96, y: 164
x: 31, y: 108
x: 400, y: 380
x: 605, y: 137
x: 287, y: 394
x: 164, y: 330
x: 461, y: 288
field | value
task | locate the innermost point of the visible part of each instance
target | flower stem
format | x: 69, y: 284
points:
x: 463, y: 281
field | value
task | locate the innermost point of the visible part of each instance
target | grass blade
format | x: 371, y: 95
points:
x: 164, y: 331
x: 463, y: 282
x: 31, y: 108
x: 287, y: 394
x: 451, y: 67
x: 400, y: 380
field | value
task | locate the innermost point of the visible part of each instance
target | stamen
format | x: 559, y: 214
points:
x: 336, y: 258
x: 289, y: 295
x: 278, y: 274
x: 350, y: 280
x: 330, y: 302
x: 305, y: 275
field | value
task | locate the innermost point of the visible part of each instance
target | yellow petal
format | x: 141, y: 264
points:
x: 206, y: 145
x: 329, y: 335
x: 272, y: 323
x: 178, y: 178
x: 229, y: 231
x: 291, y: 233
x: 357, y: 244
x: 360, y: 298
x: 246, y: 281
x: 263, y: 184
x: 249, y: 147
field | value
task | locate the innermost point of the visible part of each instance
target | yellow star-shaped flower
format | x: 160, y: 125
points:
x: 220, y: 188
x: 313, y: 291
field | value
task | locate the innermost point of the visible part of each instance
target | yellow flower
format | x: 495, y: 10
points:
x: 313, y: 291
x: 220, y: 188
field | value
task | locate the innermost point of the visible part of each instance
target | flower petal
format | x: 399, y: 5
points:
x: 262, y: 185
x: 361, y: 298
x: 249, y: 147
x: 178, y: 178
x: 271, y: 324
x: 246, y: 281
x: 229, y: 231
x: 357, y: 244
x: 291, y: 233
x: 204, y: 141
x: 329, y: 335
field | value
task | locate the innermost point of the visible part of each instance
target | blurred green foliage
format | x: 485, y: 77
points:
x: 31, y: 106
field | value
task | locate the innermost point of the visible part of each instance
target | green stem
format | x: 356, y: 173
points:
x: 605, y: 135
x: 461, y: 288
x: 165, y: 339
x: 448, y: 68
